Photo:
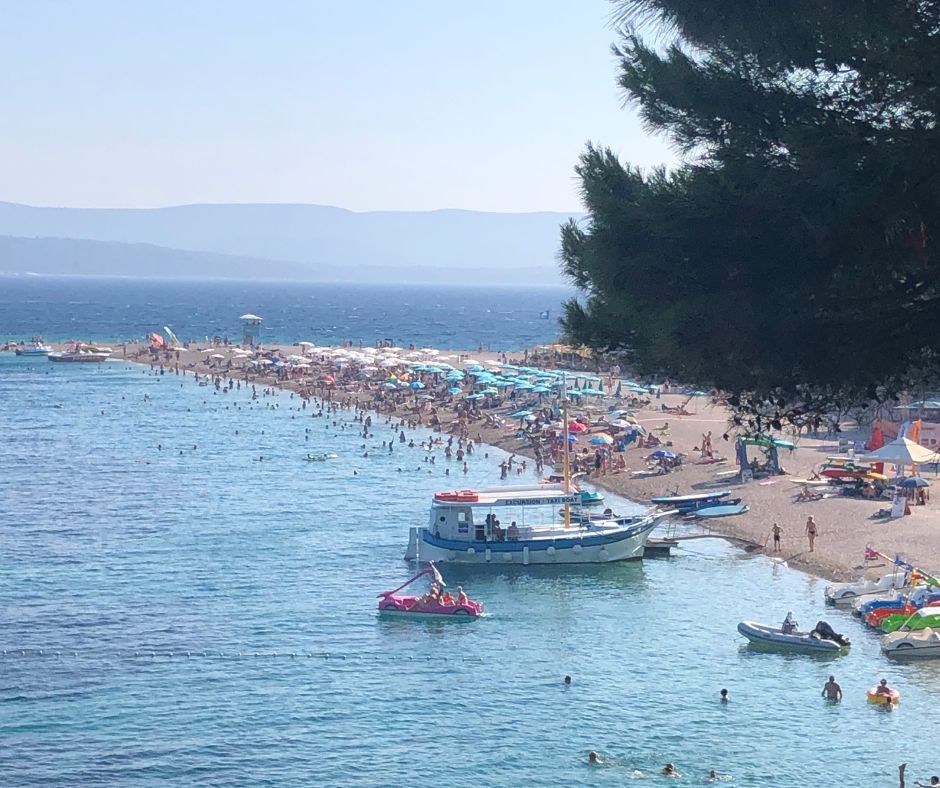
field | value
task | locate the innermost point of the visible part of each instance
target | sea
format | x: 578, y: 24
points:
x: 184, y: 600
x: 114, y: 310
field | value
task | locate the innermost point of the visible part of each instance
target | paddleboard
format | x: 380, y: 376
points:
x: 721, y: 511
x: 690, y: 498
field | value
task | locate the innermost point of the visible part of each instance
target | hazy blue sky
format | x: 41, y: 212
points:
x: 386, y: 104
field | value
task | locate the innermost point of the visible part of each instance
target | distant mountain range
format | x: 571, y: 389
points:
x: 296, y: 242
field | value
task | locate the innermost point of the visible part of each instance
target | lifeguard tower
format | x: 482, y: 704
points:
x: 251, y: 330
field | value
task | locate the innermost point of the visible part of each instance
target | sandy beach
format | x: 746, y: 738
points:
x: 845, y: 525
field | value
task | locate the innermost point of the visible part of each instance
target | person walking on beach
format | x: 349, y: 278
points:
x: 776, y: 530
x: 831, y: 690
x: 811, y: 532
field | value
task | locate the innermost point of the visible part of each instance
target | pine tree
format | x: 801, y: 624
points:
x: 792, y: 254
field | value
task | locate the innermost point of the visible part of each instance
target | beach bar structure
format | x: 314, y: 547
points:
x: 251, y: 330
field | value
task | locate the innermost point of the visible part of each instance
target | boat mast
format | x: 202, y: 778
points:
x: 566, y: 463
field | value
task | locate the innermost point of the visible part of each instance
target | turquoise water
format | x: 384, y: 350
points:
x: 115, y: 555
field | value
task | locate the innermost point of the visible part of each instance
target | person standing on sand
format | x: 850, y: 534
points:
x: 776, y: 531
x: 811, y: 532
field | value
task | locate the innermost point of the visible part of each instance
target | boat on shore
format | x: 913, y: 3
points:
x: 463, y: 528
x: 436, y: 603
x: 821, y: 639
x: 690, y: 503
x: 80, y: 353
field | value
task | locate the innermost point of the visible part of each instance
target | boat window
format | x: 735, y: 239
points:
x: 463, y: 522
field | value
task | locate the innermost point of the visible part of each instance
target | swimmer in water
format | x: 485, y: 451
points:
x: 670, y: 771
x: 567, y: 681
x: 593, y: 758
x: 724, y: 696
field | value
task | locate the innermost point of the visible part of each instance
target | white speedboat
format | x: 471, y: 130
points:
x: 79, y: 353
x: 846, y: 594
x: 820, y: 639
x: 915, y: 643
x: 464, y: 528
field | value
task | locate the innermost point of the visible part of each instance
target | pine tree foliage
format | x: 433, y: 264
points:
x: 794, y: 252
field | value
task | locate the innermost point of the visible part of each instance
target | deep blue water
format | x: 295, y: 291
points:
x: 62, y: 308
x: 115, y: 554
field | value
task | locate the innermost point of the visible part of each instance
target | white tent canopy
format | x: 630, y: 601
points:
x: 903, y: 451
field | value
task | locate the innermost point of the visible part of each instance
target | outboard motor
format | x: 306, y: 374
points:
x: 825, y: 632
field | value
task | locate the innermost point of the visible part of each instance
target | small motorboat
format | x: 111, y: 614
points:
x: 34, y: 348
x: 80, y: 353
x: 847, y: 593
x: 822, y: 637
x: 591, y: 498
x: 436, y: 603
x: 322, y: 457
x: 689, y: 503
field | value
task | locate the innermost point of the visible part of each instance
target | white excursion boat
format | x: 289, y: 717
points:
x: 846, y: 594
x: 464, y: 528
x: 914, y: 643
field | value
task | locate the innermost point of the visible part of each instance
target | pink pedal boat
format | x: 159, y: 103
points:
x: 437, y: 602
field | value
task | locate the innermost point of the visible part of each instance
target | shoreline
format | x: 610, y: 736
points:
x: 845, y: 527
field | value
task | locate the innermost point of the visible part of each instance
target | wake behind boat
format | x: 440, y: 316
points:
x: 464, y: 528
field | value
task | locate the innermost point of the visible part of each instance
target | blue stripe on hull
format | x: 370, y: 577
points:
x: 536, y: 544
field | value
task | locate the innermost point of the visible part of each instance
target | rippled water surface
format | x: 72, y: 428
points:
x: 112, y: 551
x: 112, y: 310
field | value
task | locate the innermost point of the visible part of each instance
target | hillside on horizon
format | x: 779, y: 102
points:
x: 285, y: 241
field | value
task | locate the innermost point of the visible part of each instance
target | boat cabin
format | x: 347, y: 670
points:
x: 497, y: 515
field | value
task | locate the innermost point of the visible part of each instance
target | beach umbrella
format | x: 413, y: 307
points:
x: 586, y: 392
x: 474, y: 396
x: 541, y: 390
x: 489, y: 391
x: 912, y: 483
x: 416, y: 384
x: 662, y: 454
x: 521, y: 414
x: 601, y: 439
x: 576, y: 426
x: 454, y: 390
x: 389, y: 385
x: 571, y: 438
x: 903, y: 451
x: 575, y: 394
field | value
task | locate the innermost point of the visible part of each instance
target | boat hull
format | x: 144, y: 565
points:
x: 584, y: 548
x: 763, y: 635
x: 32, y: 352
x: 78, y: 358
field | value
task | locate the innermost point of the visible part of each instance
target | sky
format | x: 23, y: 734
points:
x: 367, y: 105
